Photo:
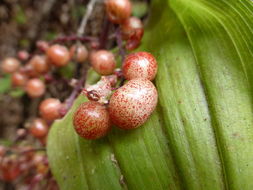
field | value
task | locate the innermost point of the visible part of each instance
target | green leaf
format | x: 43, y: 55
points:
x: 5, y: 84
x: 201, y: 135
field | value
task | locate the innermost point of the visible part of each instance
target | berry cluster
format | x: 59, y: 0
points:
x: 128, y: 105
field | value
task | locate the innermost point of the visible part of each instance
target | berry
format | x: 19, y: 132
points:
x: 140, y: 65
x: 58, y: 55
x: 42, y: 45
x: 39, y: 128
x: 132, y: 27
x: 9, y: 168
x: 10, y: 65
x: 132, y: 104
x: 35, y: 88
x: 29, y: 70
x: 80, y: 55
x: 40, y: 64
x: 50, y: 109
x: 23, y: 55
x: 91, y: 120
x: 18, y: 79
x: 103, y: 62
x: 118, y: 10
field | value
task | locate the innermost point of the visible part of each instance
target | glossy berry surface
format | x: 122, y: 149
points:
x: 118, y: 10
x: 91, y: 120
x: 49, y: 109
x: 10, y: 65
x: 58, y: 55
x: 132, y: 27
x: 140, y: 65
x: 131, y: 105
x: 39, y: 128
x: 18, y: 79
x: 40, y: 64
x: 35, y: 88
x: 103, y: 62
x: 79, y: 53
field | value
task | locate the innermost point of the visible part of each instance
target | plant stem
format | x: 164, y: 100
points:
x: 122, y: 51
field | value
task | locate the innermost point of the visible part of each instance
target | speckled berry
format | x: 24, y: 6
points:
x: 50, y: 109
x: 103, y: 62
x: 58, y: 55
x: 118, y: 10
x: 91, y: 120
x: 131, y: 105
x: 140, y: 65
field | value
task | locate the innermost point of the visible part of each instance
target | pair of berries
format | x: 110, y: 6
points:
x: 129, y: 106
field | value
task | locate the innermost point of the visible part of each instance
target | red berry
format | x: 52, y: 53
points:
x: 9, y: 168
x: 10, y: 65
x: 91, y: 120
x: 40, y: 64
x: 50, y: 109
x: 118, y: 10
x: 18, y: 79
x: 35, y: 88
x: 140, y: 65
x: 132, y: 104
x: 58, y: 55
x: 103, y: 62
x: 42, y: 45
x: 132, y: 44
x: 79, y: 54
x: 132, y: 27
x: 39, y: 128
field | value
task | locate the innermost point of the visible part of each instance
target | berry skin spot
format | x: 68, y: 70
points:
x: 132, y: 104
x: 91, y: 120
x: 140, y: 65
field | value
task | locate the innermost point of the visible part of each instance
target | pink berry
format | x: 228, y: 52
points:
x: 103, y: 62
x: 39, y: 128
x: 118, y: 10
x: 40, y: 64
x: 50, y: 109
x: 58, y: 55
x: 91, y: 120
x: 35, y: 88
x: 79, y: 54
x: 23, y: 55
x: 18, y: 79
x: 140, y: 65
x: 10, y: 65
x: 131, y: 105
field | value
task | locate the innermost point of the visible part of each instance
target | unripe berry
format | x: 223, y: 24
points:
x: 10, y: 65
x: 132, y: 27
x: 58, y: 55
x: 103, y: 62
x: 18, y: 79
x: 40, y: 64
x: 35, y: 88
x: 118, y: 10
x: 91, y: 120
x: 79, y: 54
x: 50, y: 109
x: 140, y: 65
x: 39, y: 128
x: 132, y: 104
